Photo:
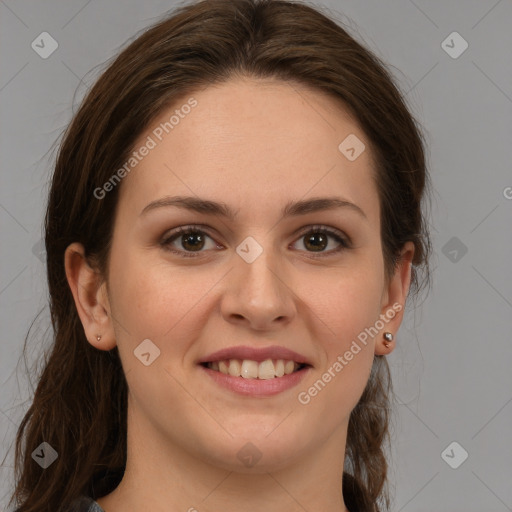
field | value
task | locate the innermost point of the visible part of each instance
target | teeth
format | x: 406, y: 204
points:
x: 223, y: 367
x: 266, y: 370
x: 248, y: 369
x: 234, y: 368
x: 289, y: 366
x: 279, y: 367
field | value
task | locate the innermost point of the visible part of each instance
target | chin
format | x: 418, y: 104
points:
x: 254, y: 451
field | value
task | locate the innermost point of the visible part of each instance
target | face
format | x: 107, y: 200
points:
x: 310, y: 281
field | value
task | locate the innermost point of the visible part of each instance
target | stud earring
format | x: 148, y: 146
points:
x: 388, y: 337
x: 98, y: 337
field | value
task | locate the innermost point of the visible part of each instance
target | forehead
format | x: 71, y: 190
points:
x: 256, y: 142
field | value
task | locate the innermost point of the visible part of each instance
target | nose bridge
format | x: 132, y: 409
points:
x: 260, y: 269
x: 259, y: 292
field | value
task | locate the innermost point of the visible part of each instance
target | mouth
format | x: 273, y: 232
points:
x: 249, y: 369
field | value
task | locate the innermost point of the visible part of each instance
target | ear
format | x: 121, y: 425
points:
x: 91, y: 299
x: 394, y: 298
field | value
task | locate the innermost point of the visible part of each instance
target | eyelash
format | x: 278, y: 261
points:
x: 185, y: 230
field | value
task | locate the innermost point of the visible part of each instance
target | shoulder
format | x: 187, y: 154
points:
x: 84, y: 504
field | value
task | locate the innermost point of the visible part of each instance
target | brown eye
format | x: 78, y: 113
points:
x: 316, y: 239
x: 189, y: 241
x: 186, y: 241
x: 193, y: 241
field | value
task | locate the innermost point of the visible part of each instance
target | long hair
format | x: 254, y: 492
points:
x: 80, y: 403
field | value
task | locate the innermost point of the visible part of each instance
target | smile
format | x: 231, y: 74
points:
x: 249, y: 369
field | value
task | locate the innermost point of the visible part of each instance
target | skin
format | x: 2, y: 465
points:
x: 184, y: 431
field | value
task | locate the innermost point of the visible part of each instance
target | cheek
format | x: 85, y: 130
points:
x: 158, y: 301
x: 348, y: 303
x: 350, y: 310
x: 340, y: 381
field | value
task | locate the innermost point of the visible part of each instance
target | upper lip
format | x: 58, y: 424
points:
x: 255, y: 354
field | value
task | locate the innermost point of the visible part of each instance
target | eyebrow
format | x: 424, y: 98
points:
x: 221, y: 209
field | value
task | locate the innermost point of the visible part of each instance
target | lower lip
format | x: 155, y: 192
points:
x: 257, y: 387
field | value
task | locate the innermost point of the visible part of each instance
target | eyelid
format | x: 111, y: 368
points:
x: 343, y: 239
x: 325, y: 228
x: 175, y: 233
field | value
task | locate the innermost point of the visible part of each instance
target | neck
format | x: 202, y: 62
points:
x: 162, y: 476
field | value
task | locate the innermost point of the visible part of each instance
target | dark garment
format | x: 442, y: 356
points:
x: 84, y: 504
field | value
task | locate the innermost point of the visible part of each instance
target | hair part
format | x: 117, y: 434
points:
x: 201, y: 44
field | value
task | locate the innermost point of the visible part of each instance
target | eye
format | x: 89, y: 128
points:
x: 317, y: 239
x: 193, y: 240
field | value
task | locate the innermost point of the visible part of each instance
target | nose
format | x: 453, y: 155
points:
x: 258, y: 295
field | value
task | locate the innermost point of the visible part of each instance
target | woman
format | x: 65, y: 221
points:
x: 233, y: 229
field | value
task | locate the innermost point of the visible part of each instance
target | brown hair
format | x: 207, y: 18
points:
x: 80, y: 402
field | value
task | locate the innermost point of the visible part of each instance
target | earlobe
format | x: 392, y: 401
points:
x: 394, y: 299
x: 91, y: 301
x: 388, y: 338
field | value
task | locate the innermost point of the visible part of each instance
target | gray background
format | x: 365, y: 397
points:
x: 451, y: 368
